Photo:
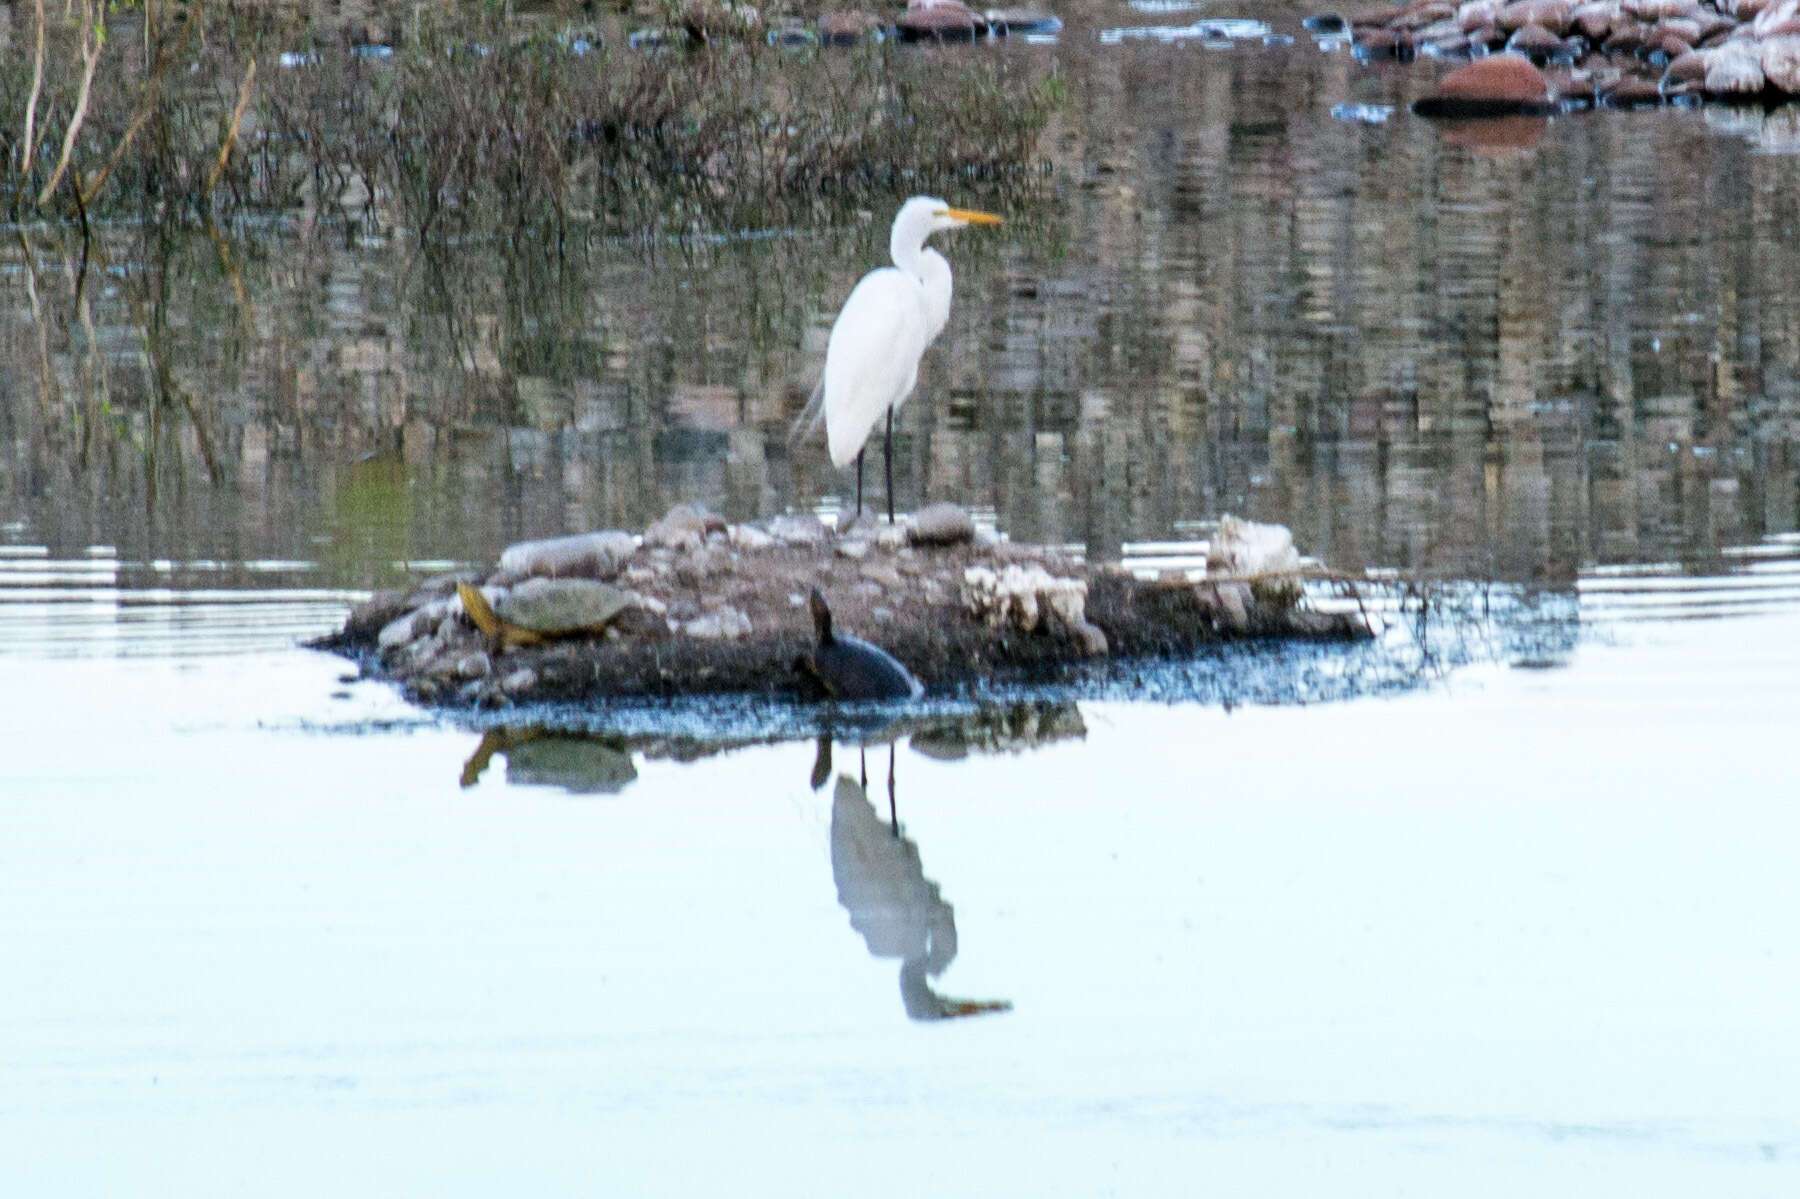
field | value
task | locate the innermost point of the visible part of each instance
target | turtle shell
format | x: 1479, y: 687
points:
x: 546, y: 609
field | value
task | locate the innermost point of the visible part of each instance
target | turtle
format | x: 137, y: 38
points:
x: 850, y: 668
x: 539, y: 610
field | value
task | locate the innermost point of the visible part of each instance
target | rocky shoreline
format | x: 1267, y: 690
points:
x: 1614, y: 53
x: 696, y: 607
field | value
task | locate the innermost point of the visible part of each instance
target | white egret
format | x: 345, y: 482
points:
x: 894, y: 312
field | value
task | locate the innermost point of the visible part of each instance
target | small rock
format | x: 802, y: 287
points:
x: 941, y: 525
x: 1629, y: 91
x: 649, y: 603
x: 1233, y: 605
x: 856, y: 550
x: 645, y: 576
x: 1090, y: 637
x: 600, y: 555
x: 405, y: 630
x: 1553, y: 15
x: 684, y: 527
x: 727, y: 624
x: 1004, y: 21
x: 881, y: 574
x: 473, y: 666
x: 442, y: 586
x: 704, y: 564
x: 519, y: 681
x: 799, y: 530
x: 416, y: 656
x: 749, y: 538
x: 1534, y: 41
x: 373, y: 615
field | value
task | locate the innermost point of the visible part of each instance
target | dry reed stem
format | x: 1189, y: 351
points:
x: 93, y: 41
x: 145, y: 106
x: 231, y: 133
x: 37, y: 87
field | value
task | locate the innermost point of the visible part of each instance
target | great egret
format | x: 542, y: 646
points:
x: 894, y: 312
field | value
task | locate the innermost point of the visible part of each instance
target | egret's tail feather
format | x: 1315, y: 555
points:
x: 810, y: 424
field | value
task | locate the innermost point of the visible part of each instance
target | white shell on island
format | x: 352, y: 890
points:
x: 1261, y: 555
x: 1023, y: 597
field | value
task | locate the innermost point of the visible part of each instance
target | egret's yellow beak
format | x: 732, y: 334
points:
x: 969, y: 216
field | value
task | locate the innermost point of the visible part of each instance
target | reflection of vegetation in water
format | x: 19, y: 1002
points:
x: 480, y: 123
x: 369, y: 516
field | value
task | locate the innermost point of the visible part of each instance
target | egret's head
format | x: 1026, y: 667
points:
x: 928, y: 214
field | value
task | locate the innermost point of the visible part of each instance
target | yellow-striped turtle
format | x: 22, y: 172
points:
x: 539, y: 610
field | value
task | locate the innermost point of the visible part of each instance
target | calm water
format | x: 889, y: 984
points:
x: 1500, y: 913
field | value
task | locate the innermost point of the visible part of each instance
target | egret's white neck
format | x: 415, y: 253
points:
x: 907, y: 246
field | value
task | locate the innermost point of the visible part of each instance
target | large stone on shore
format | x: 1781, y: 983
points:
x: 600, y: 555
x: 941, y: 525
x: 1734, y: 69
x: 1660, y: 10
x: 1771, y: 20
x: 1534, y: 41
x: 1553, y: 15
x: 1595, y: 20
x: 1688, y: 68
x: 684, y: 527
x: 846, y: 28
x: 1501, y: 85
x: 1780, y: 60
x: 940, y: 21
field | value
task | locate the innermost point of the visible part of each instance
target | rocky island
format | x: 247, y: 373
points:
x: 694, y: 606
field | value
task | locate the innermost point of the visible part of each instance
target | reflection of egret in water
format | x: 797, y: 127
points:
x: 881, y: 883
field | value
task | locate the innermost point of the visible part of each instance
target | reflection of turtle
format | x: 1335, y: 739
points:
x: 544, y: 610
x: 850, y: 668
x: 580, y: 763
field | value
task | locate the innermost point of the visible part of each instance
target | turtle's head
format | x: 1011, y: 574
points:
x: 815, y: 603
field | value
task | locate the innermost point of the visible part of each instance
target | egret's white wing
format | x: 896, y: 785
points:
x: 872, y: 358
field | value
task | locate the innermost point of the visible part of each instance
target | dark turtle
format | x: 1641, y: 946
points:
x: 850, y: 668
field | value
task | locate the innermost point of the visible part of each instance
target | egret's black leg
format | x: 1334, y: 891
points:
x: 859, y: 455
x: 864, y: 753
x: 887, y: 453
x: 893, y: 816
